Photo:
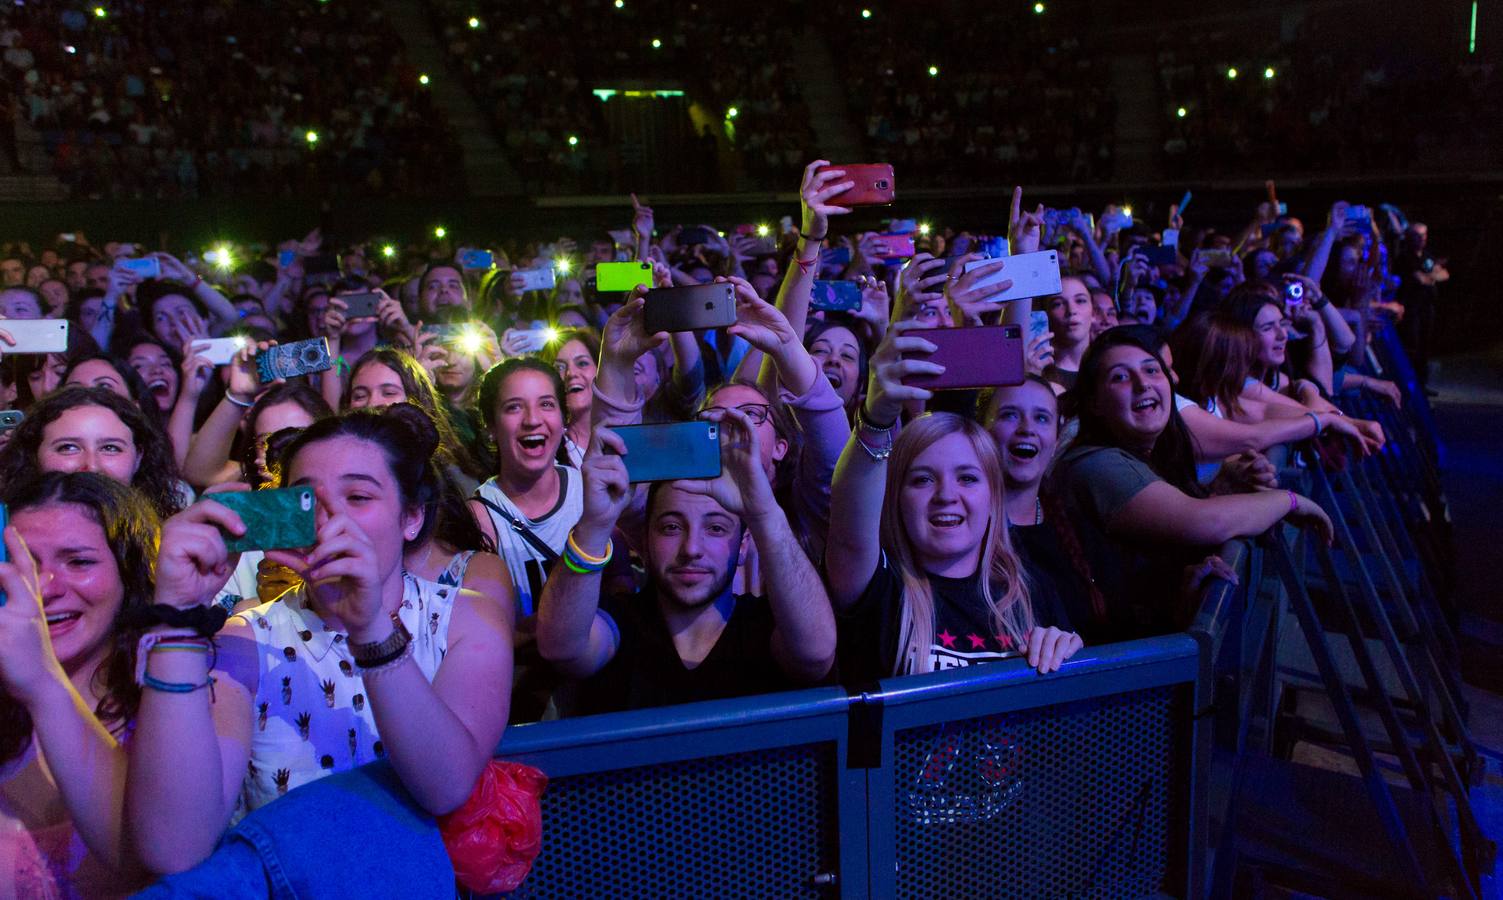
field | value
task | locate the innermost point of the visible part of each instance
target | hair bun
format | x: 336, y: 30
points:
x: 419, y: 432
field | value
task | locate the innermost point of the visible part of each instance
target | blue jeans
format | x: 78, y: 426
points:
x: 356, y: 834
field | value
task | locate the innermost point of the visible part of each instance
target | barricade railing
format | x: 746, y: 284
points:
x: 1084, y: 782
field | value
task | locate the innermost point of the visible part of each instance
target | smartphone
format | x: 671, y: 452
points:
x: 68, y: 237
x: 1171, y: 237
x: 10, y: 418
x: 286, y: 258
x: 671, y: 451
x: 902, y: 226
x: 1032, y: 275
x: 294, y: 359
x: 360, y: 305
x: 36, y: 335
x: 895, y: 246
x: 471, y: 260
x: 1360, y: 216
x: 622, y: 276
x: 994, y: 247
x: 146, y: 266
x: 1216, y: 257
x: 836, y: 296
x: 1038, y: 324
x: 277, y: 519
x: 536, y: 279
x: 4, y: 521
x: 875, y: 185
x: 835, y: 256
x: 696, y: 234
x: 974, y: 357
x: 533, y: 339
x: 693, y: 308
x: 1156, y: 256
x: 219, y: 351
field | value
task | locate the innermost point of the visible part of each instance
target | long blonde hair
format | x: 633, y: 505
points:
x: 1012, y: 613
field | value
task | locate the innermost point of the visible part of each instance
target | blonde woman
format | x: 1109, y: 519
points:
x: 916, y: 520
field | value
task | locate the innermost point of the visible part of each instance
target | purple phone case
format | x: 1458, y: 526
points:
x: 974, y: 357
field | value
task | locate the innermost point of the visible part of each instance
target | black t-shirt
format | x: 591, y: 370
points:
x: 1051, y: 575
x: 1408, y: 265
x: 964, y: 634
x: 647, y: 670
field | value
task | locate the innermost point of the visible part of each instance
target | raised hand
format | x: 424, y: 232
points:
x: 742, y: 486
x: 815, y: 192
x: 641, y: 219
x: 196, y: 372
x: 625, y: 337
x: 245, y: 382
x: 27, y: 663
x: 1025, y: 230
x: 885, y: 391
x: 392, y: 316
x: 173, y: 268
x: 967, y: 298
x: 758, y: 322
x: 917, y: 282
x: 607, y: 490
x: 1038, y: 354
x: 193, y: 563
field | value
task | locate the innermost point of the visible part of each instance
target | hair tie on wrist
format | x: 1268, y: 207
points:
x: 205, y: 621
x: 1293, y: 502
x: 240, y: 403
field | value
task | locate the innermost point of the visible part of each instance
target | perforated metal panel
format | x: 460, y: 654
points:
x: 759, y: 824
x: 1067, y: 801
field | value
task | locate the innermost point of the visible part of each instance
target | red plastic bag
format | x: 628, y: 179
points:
x: 495, y: 836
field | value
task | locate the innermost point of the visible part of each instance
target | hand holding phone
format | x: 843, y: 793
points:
x: 973, y: 357
x: 875, y: 184
x: 294, y: 359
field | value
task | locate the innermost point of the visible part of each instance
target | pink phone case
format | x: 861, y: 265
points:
x: 974, y: 357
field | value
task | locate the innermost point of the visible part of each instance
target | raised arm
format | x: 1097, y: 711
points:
x: 85, y: 761
x: 815, y: 192
x: 803, y: 637
x: 573, y: 635
x: 209, y: 450
x: 851, y: 551
x: 221, y: 310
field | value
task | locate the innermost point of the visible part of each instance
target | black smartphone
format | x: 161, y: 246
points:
x: 1156, y: 256
x: 695, y: 234
x: 695, y: 308
x: 360, y: 305
x: 671, y: 451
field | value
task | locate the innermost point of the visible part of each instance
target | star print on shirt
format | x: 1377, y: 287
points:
x: 946, y: 638
x: 977, y: 641
x: 1005, y: 640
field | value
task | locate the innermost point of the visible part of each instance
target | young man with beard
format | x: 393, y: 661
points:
x: 686, y: 635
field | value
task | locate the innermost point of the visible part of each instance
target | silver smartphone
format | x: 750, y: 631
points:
x: 1031, y: 274
x: 35, y: 335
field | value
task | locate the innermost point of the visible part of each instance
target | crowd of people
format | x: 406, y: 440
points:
x: 180, y: 99
x: 481, y: 554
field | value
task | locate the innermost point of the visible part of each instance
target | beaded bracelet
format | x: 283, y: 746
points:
x: 369, y: 672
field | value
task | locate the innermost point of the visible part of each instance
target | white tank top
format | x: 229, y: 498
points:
x: 312, y: 714
x: 525, y: 563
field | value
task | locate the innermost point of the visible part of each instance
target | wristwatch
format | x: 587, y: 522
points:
x: 380, y: 653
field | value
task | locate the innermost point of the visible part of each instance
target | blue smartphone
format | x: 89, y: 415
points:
x: 671, y: 451
x: 835, y: 296
x: 473, y: 260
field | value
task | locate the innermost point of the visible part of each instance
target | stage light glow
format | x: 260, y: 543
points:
x: 440, y: 232
x: 1231, y: 73
x: 1181, y: 112
x: 423, y: 80
x: 934, y: 71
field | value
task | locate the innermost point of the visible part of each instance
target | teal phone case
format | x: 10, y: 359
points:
x: 274, y: 519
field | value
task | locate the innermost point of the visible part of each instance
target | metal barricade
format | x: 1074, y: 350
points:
x: 985, y: 781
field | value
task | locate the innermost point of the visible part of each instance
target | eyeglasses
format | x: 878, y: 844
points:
x: 756, y: 413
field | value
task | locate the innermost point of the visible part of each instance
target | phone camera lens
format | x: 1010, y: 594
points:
x: 882, y: 184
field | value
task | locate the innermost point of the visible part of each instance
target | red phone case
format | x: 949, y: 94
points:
x: 875, y: 185
x: 895, y: 246
x: 974, y: 357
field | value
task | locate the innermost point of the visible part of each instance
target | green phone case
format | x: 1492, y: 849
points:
x: 274, y: 519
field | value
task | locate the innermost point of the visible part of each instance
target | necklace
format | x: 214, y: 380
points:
x: 1038, y: 511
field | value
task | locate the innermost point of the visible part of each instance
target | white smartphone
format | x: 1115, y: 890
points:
x: 219, y: 351
x: 1171, y: 237
x: 533, y: 340
x: 1031, y: 274
x: 537, y: 279
x: 36, y: 335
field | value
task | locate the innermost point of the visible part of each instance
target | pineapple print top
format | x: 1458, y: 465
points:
x: 313, y: 717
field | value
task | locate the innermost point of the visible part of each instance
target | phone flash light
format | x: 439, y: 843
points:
x: 934, y: 71
x: 423, y: 79
x: 474, y: 22
x: 550, y: 335
x: 440, y: 232
x: 100, y: 12
x: 924, y: 228
x: 561, y: 264
x: 470, y: 342
x: 239, y: 340
x: 1127, y: 211
x: 763, y: 231
x: 573, y: 140
x: 657, y: 44
x: 388, y: 251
